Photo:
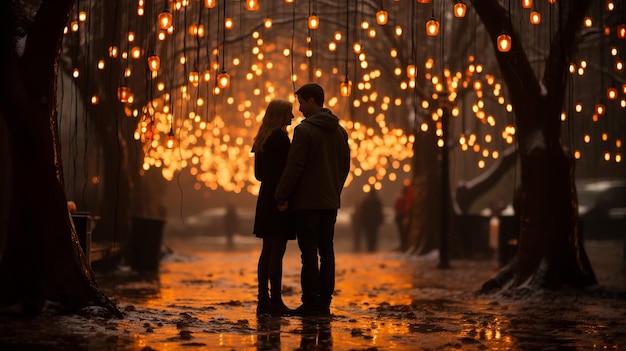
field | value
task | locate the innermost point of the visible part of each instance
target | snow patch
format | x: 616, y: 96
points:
x: 542, y: 89
x: 20, y: 45
x: 535, y: 140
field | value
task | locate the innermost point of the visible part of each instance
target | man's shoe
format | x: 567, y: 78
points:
x: 323, y: 307
x: 323, y: 311
x: 305, y: 310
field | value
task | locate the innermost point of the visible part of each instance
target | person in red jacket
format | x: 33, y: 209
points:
x: 317, y: 167
x: 402, y: 208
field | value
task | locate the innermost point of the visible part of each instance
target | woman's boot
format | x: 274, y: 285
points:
x: 278, y: 308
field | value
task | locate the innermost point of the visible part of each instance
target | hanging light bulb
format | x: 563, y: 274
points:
x: 411, y: 71
x: 382, y: 17
x: 423, y: 1
x: 209, y: 4
x: 223, y: 79
x: 611, y: 93
x: 314, y: 22
x: 194, y: 78
x: 165, y: 19
x: 346, y: 87
x: 621, y: 31
x: 252, y: 5
x: 600, y: 109
x: 432, y: 27
x: 535, y: 17
x: 170, y: 139
x: 154, y: 63
x: 460, y: 9
x: 527, y: 4
x: 123, y: 93
x: 504, y: 42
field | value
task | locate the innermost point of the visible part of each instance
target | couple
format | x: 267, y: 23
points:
x: 301, y: 185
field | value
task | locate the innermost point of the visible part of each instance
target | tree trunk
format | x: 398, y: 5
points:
x: 426, y: 195
x: 42, y: 260
x: 551, y: 253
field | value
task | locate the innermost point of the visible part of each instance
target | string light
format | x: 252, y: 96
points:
x: 460, y: 9
x: 504, y: 42
x: 209, y: 132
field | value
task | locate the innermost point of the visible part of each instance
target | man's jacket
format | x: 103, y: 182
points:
x: 317, y: 165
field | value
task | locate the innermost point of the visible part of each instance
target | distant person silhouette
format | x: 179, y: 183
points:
x: 357, y: 227
x: 271, y: 146
x: 231, y: 225
x: 371, y: 215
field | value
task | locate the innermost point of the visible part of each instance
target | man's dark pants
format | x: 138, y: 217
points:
x: 315, y: 233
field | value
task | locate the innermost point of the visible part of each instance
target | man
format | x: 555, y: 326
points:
x: 317, y: 167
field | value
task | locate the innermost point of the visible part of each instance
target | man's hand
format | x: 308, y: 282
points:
x: 284, y: 206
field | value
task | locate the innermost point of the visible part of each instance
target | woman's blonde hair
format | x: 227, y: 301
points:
x: 277, y: 116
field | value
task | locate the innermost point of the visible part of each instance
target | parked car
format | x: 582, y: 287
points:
x: 602, y: 208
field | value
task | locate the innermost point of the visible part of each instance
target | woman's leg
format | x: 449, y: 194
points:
x: 277, y: 306
x: 278, y: 247
x: 263, y: 269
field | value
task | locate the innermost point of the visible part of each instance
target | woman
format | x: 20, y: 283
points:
x: 270, y: 148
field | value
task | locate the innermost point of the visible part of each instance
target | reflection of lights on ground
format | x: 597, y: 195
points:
x: 205, y: 297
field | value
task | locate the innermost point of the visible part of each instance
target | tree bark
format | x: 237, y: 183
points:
x: 426, y: 195
x: 551, y: 252
x: 42, y: 260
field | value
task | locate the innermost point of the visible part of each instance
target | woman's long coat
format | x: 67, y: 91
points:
x: 268, y: 167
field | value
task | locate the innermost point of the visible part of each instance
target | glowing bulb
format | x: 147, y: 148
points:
x: 170, y: 139
x: 504, y: 42
x: 314, y: 22
x: 460, y: 9
x: 535, y: 17
x: 252, y: 5
x: 600, y: 109
x: 432, y: 27
x: 123, y: 93
x: 223, y: 80
x: 165, y: 19
x: 411, y: 71
x: 154, y: 63
x: 194, y: 78
x: 381, y: 17
x: 621, y: 31
x: 346, y: 87
x: 611, y: 93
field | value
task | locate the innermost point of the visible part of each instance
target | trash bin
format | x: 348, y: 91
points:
x: 83, y: 224
x: 145, y: 243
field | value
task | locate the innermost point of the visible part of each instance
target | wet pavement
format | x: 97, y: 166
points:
x: 204, y: 298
